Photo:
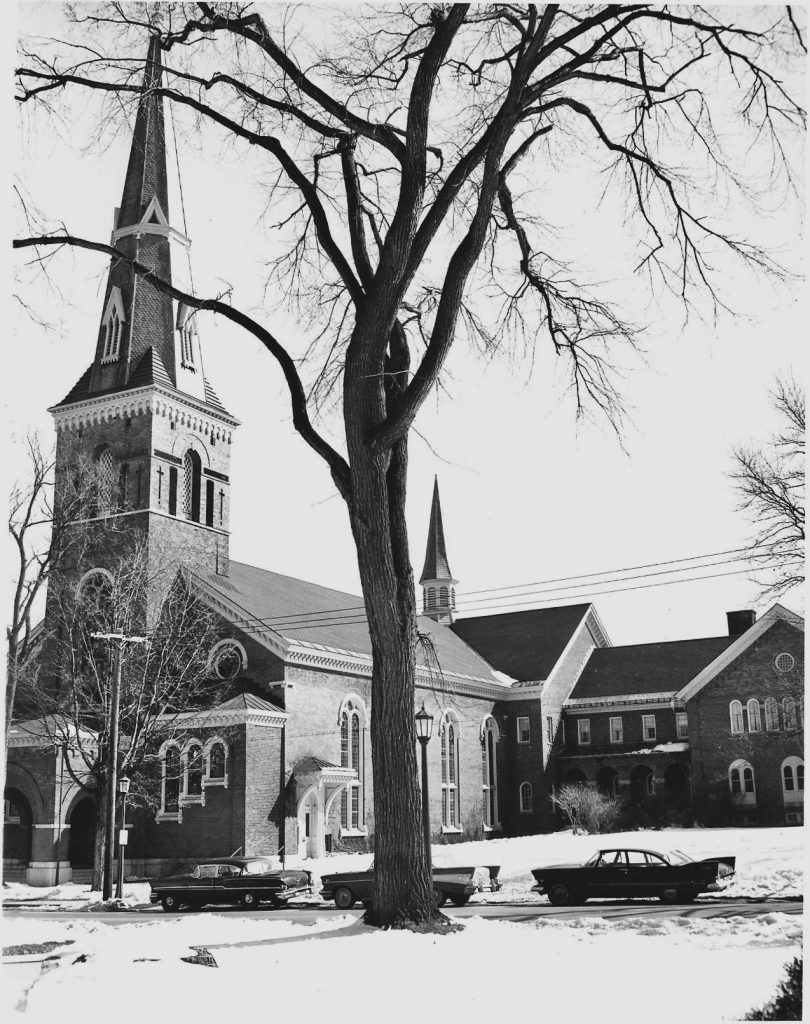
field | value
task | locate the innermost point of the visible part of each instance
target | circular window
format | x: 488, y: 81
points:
x: 784, y: 662
x: 228, y: 660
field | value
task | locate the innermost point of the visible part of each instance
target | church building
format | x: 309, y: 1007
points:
x: 522, y: 702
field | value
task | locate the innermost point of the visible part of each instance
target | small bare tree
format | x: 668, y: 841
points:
x: 769, y: 479
x: 42, y: 526
x: 586, y: 809
x: 161, y: 681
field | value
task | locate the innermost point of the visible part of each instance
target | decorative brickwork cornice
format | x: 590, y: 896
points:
x: 216, y: 718
x: 183, y: 409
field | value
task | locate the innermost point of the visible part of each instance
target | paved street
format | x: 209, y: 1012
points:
x: 497, y: 911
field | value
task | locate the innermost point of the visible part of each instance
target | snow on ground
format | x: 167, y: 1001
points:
x: 770, y: 862
x: 625, y: 969
x: 667, y: 970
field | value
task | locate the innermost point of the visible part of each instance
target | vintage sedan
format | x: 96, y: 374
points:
x: 455, y: 885
x: 673, y: 877
x: 245, y: 880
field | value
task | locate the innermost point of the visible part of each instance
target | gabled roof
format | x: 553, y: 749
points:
x: 248, y: 702
x: 525, y: 645
x: 646, y: 668
x: 317, y: 764
x: 436, y: 565
x: 777, y: 613
x: 305, y: 613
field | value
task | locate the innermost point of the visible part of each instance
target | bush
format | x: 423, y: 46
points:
x: 587, y: 809
x: 787, y: 1003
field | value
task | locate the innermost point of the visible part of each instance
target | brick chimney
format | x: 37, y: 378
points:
x: 739, y: 622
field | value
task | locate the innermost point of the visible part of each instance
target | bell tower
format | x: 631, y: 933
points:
x: 144, y: 413
x: 438, y: 585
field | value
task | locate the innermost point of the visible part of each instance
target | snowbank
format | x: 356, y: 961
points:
x: 668, y: 970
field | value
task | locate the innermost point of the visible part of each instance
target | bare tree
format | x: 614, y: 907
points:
x: 417, y: 163
x: 769, y: 480
x: 161, y: 682
x: 586, y: 809
x: 42, y: 526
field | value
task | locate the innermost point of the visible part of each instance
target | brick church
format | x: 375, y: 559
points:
x: 522, y: 702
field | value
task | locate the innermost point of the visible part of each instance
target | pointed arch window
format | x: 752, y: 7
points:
x: 187, y: 329
x: 451, y: 811
x: 489, y: 773
x: 789, y: 712
x: 352, y: 755
x: 105, y: 481
x: 754, y: 716
x: 735, y: 714
x: 112, y: 324
x: 192, y: 473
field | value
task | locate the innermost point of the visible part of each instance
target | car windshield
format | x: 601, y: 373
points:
x: 592, y: 861
x: 256, y: 867
x: 678, y: 857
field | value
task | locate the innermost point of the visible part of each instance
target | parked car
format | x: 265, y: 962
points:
x: 245, y: 880
x: 455, y: 885
x: 673, y: 877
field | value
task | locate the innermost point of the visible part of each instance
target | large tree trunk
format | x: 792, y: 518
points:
x: 403, y: 889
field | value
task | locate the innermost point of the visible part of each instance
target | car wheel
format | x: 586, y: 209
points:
x: 344, y: 898
x: 250, y: 901
x: 460, y: 901
x: 170, y: 904
x: 669, y: 895
x: 440, y: 897
x: 559, y: 895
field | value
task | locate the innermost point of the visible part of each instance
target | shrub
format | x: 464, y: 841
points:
x: 787, y: 1003
x: 587, y: 809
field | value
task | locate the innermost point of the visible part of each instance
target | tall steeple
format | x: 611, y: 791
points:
x: 438, y: 585
x: 146, y: 337
x: 143, y: 411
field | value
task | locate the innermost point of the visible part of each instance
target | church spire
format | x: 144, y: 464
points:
x: 145, y: 337
x: 438, y: 585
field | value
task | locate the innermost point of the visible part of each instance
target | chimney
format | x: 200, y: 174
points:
x: 739, y: 622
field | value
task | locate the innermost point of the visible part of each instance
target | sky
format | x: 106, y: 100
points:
x: 528, y: 494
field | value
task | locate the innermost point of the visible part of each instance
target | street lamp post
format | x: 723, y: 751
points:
x: 112, y: 754
x: 424, y: 727
x: 123, y: 789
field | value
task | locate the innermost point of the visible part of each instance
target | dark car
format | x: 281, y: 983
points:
x: 455, y: 885
x: 245, y: 880
x: 672, y: 877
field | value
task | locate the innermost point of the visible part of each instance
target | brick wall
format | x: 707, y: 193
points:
x: 714, y: 747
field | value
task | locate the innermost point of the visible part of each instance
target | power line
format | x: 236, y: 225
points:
x: 324, y: 619
x: 353, y: 610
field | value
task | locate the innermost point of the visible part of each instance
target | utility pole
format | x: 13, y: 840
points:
x: 112, y: 756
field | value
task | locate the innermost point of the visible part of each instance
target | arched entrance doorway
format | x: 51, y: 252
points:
x: 82, y: 823
x: 607, y: 781
x: 641, y: 784
x: 309, y: 825
x: 18, y: 821
x: 575, y: 777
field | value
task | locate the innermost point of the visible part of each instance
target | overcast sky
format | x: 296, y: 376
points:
x: 528, y: 495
